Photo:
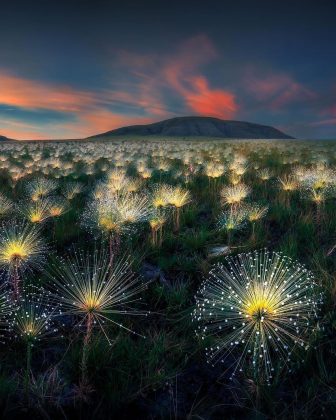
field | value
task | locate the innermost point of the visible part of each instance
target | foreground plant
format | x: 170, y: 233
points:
x: 21, y: 248
x: 40, y: 188
x: 88, y: 288
x: 234, y: 195
x: 37, y: 211
x: 6, y: 206
x: 178, y: 198
x: 33, y: 322
x: 259, y: 307
x: 48, y: 390
x: 7, y: 309
x: 156, y: 222
x: 72, y: 189
x: 231, y: 220
x: 254, y: 213
x: 116, y: 214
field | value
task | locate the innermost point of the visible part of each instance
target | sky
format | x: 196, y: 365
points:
x: 75, y: 68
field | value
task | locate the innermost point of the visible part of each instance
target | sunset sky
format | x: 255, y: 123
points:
x: 70, y: 69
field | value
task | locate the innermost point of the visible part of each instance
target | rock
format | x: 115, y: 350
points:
x: 151, y: 273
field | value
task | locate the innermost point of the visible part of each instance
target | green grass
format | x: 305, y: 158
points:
x: 165, y: 375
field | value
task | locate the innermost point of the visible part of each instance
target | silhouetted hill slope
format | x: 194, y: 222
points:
x: 199, y: 126
x: 3, y: 138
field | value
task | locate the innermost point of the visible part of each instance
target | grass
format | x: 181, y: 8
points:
x: 165, y: 375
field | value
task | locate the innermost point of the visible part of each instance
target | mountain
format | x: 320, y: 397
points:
x: 3, y: 138
x: 199, y: 126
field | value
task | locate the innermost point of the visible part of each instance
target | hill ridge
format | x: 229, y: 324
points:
x: 195, y: 126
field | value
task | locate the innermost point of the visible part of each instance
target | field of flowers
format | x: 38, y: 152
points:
x: 171, y: 279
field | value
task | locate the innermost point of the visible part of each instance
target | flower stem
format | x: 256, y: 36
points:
x: 27, y: 373
x: 85, y: 354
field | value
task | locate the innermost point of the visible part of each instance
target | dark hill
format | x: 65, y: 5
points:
x: 3, y: 138
x: 199, y: 126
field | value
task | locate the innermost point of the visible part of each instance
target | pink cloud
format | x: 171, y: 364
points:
x: 277, y: 90
x: 327, y: 113
x: 90, y: 109
x: 101, y: 121
x: 25, y: 93
x: 331, y: 110
x: 180, y: 73
x: 87, y: 124
x: 330, y: 121
x: 21, y: 131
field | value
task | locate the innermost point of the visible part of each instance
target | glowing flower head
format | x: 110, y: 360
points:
x: 234, y: 195
x: 118, y: 212
x: 233, y: 219
x: 40, y: 188
x: 6, y: 205
x: 260, y: 307
x: 87, y: 286
x: 255, y: 212
x: 34, y: 315
x: 21, y: 246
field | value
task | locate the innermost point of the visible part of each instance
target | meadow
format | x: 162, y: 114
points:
x: 168, y: 279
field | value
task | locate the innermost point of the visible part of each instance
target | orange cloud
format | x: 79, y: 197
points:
x: 203, y: 100
x: 180, y: 73
x: 24, y: 93
x: 87, y: 124
x: 21, y: 131
x: 89, y: 109
x: 101, y: 121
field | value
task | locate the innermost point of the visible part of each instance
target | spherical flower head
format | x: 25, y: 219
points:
x: 214, y: 169
x: 15, y: 251
x: 179, y: 197
x: 288, y: 182
x: 233, y: 219
x: 34, y: 315
x: 86, y: 285
x: 160, y: 195
x: 40, y: 187
x: 6, y: 205
x: 117, y: 213
x: 37, y: 211
x: 234, y: 194
x: 260, y: 307
x: 57, y: 207
x: 255, y: 212
x: 21, y: 246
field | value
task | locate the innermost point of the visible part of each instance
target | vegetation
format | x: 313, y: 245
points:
x: 113, y: 254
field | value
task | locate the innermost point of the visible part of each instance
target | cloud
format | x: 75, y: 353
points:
x: 101, y: 121
x: 328, y: 115
x: 151, y: 81
x: 179, y: 75
x: 276, y: 90
x: 142, y: 89
x: 211, y: 102
x: 182, y: 72
x: 89, y: 111
x: 24, y: 93
x: 330, y: 121
x: 326, y: 110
